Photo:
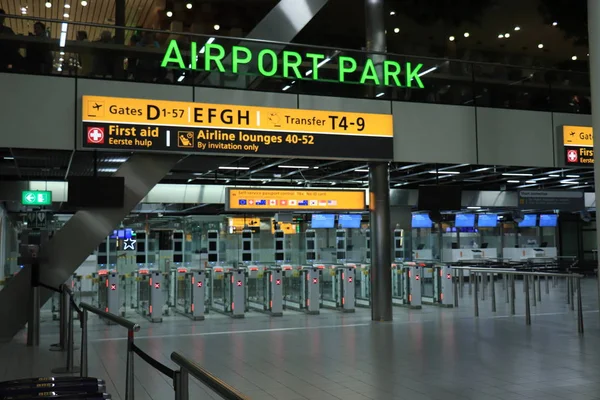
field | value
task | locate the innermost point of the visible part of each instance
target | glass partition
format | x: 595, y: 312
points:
x: 76, y: 49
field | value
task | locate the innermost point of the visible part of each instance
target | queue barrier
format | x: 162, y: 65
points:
x: 406, y: 284
x: 338, y: 287
x: 190, y: 293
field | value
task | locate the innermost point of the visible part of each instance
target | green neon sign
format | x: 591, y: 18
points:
x: 36, y: 198
x: 287, y: 65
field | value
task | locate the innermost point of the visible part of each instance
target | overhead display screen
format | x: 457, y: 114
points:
x: 529, y: 220
x: 297, y: 200
x: 421, y: 221
x: 487, y: 220
x: 548, y: 220
x: 115, y: 123
x: 349, y: 221
x: 320, y: 221
x: 464, y: 220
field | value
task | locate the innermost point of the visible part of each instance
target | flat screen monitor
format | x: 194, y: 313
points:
x: 529, y: 220
x: 348, y: 221
x: 439, y: 197
x: 421, y: 221
x: 320, y: 221
x: 548, y: 220
x: 464, y: 220
x: 487, y: 220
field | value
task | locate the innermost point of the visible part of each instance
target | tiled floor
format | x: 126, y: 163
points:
x: 427, y: 354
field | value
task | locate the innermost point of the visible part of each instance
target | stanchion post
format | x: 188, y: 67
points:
x: 527, y: 304
x: 539, y: 289
x: 70, y: 368
x: 547, y: 285
x: 568, y: 290
x: 129, y: 377
x: 572, y: 285
x: 532, y: 278
x: 470, y: 282
x: 506, y: 288
x: 579, y: 307
x: 181, y: 385
x: 475, y: 297
x: 461, y: 282
x: 63, y: 323
x: 493, y: 293
x: 455, y: 288
x: 483, y: 285
x: 84, y: 351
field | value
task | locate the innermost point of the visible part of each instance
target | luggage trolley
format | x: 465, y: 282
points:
x: 191, y: 293
x: 108, y: 291
x: 406, y: 285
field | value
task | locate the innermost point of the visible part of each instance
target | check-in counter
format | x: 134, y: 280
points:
x: 453, y: 255
x: 423, y: 254
x: 525, y: 253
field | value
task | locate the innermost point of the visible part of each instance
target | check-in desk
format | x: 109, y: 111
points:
x: 423, y: 254
x: 453, y: 255
x: 525, y: 253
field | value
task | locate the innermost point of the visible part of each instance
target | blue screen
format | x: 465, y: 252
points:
x: 322, y: 221
x: 529, y: 220
x: 122, y: 234
x: 487, y: 220
x: 349, y: 220
x: 421, y: 221
x: 464, y: 220
x: 548, y: 220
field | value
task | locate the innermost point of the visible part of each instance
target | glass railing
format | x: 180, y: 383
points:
x: 96, y: 51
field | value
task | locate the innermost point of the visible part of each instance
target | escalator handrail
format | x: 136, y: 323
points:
x: 125, y: 323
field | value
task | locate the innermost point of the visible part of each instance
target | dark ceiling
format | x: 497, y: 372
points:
x: 20, y: 164
x: 502, y: 31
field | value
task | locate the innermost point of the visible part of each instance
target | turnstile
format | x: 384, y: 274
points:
x: 406, y: 284
x: 190, y: 293
x: 338, y: 288
x: 363, y: 286
x: 265, y: 290
x: 108, y: 292
x: 150, y: 294
x: 227, y: 291
x: 437, y: 285
x: 301, y: 288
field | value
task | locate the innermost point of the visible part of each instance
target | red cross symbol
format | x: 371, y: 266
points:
x: 572, y: 156
x: 315, y: 280
x: 199, y: 284
x: 278, y: 281
x: 157, y: 285
x: 113, y: 286
x: 239, y: 283
x: 95, y: 135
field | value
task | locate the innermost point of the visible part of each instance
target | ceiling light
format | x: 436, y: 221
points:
x: 107, y: 170
x: 9, y: 158
x: 574, y: 58
x: 361, y: 170
x: 540, y: 46
x: 554, y: 176
x: 513, y: 181
x: 189, y: 6
x: 294, y: 166
x: 473, y: 208
x: 84, y: 3
x: 116, y: 160
x: 396, y: 30
x: 379, y: 94
x: 235, y: 168
x: 445, y: 172
x: 316, y: 167
x: 209, y: 41
x: 62, y: 53
x: 532, y: 181
x: 500, y: 36
x: 286, y: 87
x: 217, y: 27
x: 67, y: 6
x: 392, y: 12
x: 48, y: 4
x: 507, y: 35
x: 169, y: 14
x: 466, y: 34
x: 515, y: 174
x: 569, y: 182
x: 554, y: 23
x: 481, y: 169
x: 61, y: 59
x: 451, y: 38
x: 66, y: 15
x: 23, y: 10
x: 517, y: 28
x: 573, y: 176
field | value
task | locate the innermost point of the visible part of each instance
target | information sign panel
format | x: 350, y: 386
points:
x: 200, y: 128
x: 297, y: 200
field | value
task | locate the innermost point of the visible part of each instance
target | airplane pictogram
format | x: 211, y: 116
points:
x: 97, y: 106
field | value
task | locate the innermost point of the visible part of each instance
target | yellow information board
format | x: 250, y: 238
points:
x: 578, y: 143
x: 297, y: 200
x: 578, y: 136
x: 160, y: 125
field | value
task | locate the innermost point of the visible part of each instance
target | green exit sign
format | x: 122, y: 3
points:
x: 36, y: 198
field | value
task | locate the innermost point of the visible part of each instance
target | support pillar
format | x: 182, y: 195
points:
x: 375, y: 38
x: 381, y: 262
x: 593, y: 7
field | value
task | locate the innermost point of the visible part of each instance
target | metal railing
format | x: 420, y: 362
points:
x: 479, y: 276
x: 446, y: 81
x: 179, y: 377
